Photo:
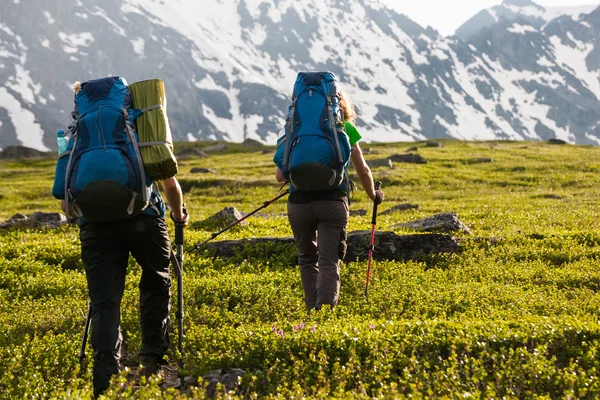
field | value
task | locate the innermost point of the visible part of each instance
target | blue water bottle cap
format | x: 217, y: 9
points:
x: 60, y: 132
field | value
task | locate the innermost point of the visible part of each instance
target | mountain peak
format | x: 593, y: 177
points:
x: 521, y: 3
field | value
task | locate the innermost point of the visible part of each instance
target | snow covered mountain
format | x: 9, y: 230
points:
x: 514, y: 10
x: 229, y: 68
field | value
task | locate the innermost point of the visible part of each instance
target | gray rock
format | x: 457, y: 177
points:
x: 199, y: 170
x: 433, y: 144
x: 408, y: 158
x: 216, y: 148
x: 414, y: 148
x: 229, y: 378
x: 388, y: 246
x: 444, y: 222
x: 380, y: 162
x: 191, y: 153
x: 251, y: 143
x: 400, y: 207
x: 37, y: 219
x: 556, y: 141
x: 360, y: 212
x: 22, y: 152
x: 221, y: 219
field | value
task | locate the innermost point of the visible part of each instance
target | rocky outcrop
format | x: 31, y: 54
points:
x: 228, y: 377
x: 191, y: 153
x: 216, y: 148
x: 380, y: 162
x: 221, y: 219
x: 22, y: 152
x: 199, y: 170
x: 443, y: 223
x: 388, y: 246
x: 37, y: 219
x: 410, y: 158
x: 252, y: 144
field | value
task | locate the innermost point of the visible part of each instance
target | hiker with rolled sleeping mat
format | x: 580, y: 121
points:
x: 103, y: 180
x: 314, y: 153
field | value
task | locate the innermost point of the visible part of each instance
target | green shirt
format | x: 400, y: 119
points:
x: 352, y: 133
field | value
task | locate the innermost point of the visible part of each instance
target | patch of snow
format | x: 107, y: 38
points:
x: 529, y: 11
x: 74, y: 41
x: 45, y: 43
x: 574, y: 11
x: 521, y: 29
x: 49, y: 18
x: 191, y: 138
x: 29, y: 132
x: 138, y: 46
x: 81, y: 15
x: 251, y: 126
x: 574, y: 59
x: 544, y: 62
x: 493, y: 14
x: 23, y: 84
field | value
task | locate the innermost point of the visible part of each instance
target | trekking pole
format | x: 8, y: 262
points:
x: 178, y: 264
x: 234, y: 223
x: 372, y: 246
x: 86, y: 331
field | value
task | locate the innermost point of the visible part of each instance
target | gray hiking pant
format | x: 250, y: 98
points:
x: 320, y: 233
x: 105, y: 249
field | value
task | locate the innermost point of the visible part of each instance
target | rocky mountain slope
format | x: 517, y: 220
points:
x: 229, y: 68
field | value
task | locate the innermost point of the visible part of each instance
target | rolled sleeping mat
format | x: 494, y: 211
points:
x: 156, y: 142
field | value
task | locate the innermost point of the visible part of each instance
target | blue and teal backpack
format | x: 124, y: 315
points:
x: 314, y: 152
x: 101, y: 174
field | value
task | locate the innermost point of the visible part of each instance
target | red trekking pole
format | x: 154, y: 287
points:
x: 372, y: 246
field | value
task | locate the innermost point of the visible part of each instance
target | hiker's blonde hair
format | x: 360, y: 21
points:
x: 77, y: 87
x: 347, y: 107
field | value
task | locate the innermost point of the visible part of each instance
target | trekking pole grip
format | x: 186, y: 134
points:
x: 179, y: 226
x: 376, y: 202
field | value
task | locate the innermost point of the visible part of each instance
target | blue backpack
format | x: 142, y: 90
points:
x: 314, y: 152
x: 101, y: 173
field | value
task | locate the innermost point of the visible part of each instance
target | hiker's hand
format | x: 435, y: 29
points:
x: 181, y: 218
x: 378, y: 197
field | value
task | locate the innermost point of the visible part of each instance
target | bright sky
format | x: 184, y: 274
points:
x: 447, y: 15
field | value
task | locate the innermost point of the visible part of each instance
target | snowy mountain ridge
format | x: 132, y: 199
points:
x: 229, y: 68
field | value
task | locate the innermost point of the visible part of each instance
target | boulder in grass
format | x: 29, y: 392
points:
x: 556, y: 141
x: 221, y: 219
x: 381, y: 162
x: 410, y: 158
x: 252, y: 144
x: 400, y: 207
x: 191, y: 153
x: 358, y: 213
x: 22, y: 152
x: 215, y: 148
x: 434, y: 144
x: 388, y: 246
x: 392, y: 247
x: 414, y: 148
x: 199, y: 170
x: 37, y: 219
x: 443, y: 223
x: 228, y: 377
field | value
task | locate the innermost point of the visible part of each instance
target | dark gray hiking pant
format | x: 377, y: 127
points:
x: 320, y: 233
x: 105, y: 249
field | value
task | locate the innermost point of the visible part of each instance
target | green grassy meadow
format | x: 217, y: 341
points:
x: 514, y: 315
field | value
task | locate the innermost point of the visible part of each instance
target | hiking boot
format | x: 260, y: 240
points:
x: 150, y: 365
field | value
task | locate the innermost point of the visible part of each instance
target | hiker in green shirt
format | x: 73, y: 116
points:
x: 319, y: 221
